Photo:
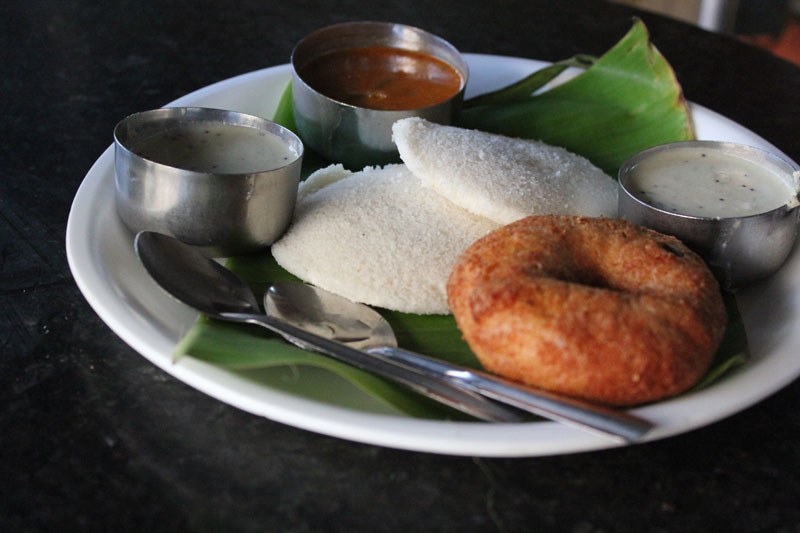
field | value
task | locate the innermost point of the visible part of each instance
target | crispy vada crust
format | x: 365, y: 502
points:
x: 600, y: 309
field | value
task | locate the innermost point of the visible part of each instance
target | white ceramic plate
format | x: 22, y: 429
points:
x: 105, y: 268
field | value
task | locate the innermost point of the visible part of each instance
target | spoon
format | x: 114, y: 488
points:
x: 342, y: 320
x: 212, y: 289
x: 202, y: 283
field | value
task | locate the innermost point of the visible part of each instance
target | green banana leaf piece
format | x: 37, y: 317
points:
x: 525, y: 88
x: 284, y: 116
x: 626, y: 101
x: 283, y: 113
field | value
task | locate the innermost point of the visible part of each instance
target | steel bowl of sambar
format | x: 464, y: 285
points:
x: 352, y: 81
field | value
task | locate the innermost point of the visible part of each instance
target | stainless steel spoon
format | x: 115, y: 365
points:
x: 209, y: 287
x: 342, y: 320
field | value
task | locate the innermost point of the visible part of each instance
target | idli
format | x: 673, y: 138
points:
x: 501, y: 178
x: 379, y: 237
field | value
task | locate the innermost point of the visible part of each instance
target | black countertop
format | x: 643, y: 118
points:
x: 94, y: 437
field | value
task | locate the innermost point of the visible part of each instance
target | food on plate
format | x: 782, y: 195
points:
x: 600, y: 309
x: 382, y: 77
x: 614, y: 119
x: 377, y: 236
x: 502, y: 178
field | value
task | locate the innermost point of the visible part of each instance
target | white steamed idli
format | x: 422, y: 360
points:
x: 377, y: 236
x: 501, y: 178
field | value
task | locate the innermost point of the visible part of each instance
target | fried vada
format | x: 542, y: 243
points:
x: 596, y: 308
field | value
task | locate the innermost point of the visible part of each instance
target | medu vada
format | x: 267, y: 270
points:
x: 595, y: 308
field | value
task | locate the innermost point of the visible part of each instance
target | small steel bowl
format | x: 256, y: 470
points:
x: 224, y: 213
x: 357, y: 136
x: 738, y: 249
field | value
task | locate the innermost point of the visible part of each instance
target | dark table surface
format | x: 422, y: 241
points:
x: 94, y: 437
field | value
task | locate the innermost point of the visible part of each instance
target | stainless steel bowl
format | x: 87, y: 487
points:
x: 357, y: 136
x: 739, y: 249
x: 226, y: 214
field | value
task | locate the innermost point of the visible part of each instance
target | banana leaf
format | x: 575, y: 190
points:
x: 527, y: 87
x: 624, y: 102
x: 285, y: 117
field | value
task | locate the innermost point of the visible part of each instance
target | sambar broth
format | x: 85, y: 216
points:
x: 382, y: 77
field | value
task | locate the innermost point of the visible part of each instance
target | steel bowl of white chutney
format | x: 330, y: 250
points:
x: 735, y: 205
x: 218, y: 179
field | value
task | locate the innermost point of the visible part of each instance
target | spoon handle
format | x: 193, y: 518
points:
x: 470, y: 402
x: 570, y: 411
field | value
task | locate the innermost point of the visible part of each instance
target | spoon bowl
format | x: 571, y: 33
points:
x: 193, y: 278
x: 328, y: 315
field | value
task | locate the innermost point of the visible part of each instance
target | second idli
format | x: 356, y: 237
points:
x: 502, y: 178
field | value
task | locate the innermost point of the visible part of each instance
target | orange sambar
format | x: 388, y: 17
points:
x: 381, y: 77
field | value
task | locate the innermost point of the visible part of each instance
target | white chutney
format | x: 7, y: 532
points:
x: 216, y: 148
x: 702, y: 182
